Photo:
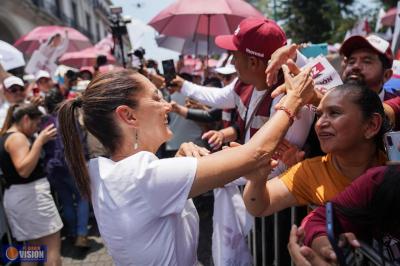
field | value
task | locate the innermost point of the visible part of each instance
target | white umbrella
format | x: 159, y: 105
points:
x: 188, y: 45
x: 10, y: 57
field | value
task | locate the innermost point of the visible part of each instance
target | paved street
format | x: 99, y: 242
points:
x: 95, y: 256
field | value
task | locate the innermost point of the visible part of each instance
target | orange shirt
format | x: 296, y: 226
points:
x: 316, y: 180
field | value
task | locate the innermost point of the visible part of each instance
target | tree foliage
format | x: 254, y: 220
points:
x: 387, y: 3
x: 316, y: 21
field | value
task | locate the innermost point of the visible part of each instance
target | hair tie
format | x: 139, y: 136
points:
x: 77, y: 102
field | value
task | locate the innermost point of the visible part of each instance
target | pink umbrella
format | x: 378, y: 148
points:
x: 106, y: 44
x: 390, y: 17
x: 86, y: 57
x: 187, y: 18
x: 32, y: 40
x: 191, y: 18
x: 188, y: 46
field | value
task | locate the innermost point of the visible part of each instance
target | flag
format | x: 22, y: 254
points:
x: 396, y: 33
x: 378, y: 25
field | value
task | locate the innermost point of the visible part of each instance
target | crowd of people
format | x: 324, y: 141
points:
x: 136, y: 150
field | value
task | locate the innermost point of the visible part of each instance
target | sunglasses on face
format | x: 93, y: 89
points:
x: 228, y: 77
x: 15, y: 89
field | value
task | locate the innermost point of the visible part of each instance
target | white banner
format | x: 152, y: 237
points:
x: 231, y: 225
x: 46, y: 56
x: 324, y: 74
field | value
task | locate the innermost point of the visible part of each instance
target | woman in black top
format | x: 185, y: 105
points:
x: 28, y: 204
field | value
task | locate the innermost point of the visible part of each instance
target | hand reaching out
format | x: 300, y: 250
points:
x: 303, y: 255
x: 288, y: 153
x: 278, y: 58
x: 215, y: 139
x: 47, y: 134
x: 189, y: 149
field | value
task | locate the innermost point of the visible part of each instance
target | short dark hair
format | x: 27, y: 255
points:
x: 53, y: 99
x: 71, y: 75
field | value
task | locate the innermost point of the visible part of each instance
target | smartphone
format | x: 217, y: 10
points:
x: 392, y: 145
x: 365, y: 255
x: 169, y: 70
x: 330, y: 229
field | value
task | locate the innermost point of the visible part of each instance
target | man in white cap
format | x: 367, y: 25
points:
x: 44, y: 82
x: 227, y: 73
x: 14, y: 92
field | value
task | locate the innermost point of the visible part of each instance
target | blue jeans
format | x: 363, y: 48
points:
x: 75, y: 208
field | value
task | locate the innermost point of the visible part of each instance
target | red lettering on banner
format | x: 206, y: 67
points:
x: 316, y: 70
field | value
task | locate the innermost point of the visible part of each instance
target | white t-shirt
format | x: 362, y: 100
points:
x: 142, y: 210
x: 256, y: 97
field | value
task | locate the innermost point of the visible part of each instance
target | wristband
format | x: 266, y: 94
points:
x: 289, y: 114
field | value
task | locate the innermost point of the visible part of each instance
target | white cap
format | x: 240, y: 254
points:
x: 226, y: 70
x: 42, y: 74
x: 13, y: 80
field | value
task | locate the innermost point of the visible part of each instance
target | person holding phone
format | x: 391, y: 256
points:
x: 142, y: 204
x: 362, y: 208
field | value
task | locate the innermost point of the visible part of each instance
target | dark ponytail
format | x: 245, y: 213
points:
x: 16, y: 112
x: 73, y: 147
x: 103, y: 95
x: 9, y: 119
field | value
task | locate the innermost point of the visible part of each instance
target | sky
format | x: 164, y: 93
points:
x: 147, y: 10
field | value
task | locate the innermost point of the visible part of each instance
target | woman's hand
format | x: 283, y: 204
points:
x: 47, y: 134
x: 300, y: 86
x: 288, y: 153
x: 278, y: 58
x: 189, y: 149
x: 298, y: 83
x: 323, y: 248
x: 179, y: 109
x: 302, y: 255
x: 215, y: 138
x: 261, y: 173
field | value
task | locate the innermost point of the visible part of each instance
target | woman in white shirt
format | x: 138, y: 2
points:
x: 142, y: 204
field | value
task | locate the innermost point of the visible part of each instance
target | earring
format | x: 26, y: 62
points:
x: 136, y: 145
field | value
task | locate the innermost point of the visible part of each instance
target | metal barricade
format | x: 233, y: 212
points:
x: 270, y: 235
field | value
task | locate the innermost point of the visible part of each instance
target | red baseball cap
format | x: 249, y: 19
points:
x: 254, y: 36
x: 379, y: 45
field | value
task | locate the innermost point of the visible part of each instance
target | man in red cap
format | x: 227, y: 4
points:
x: 368, y: 60
x: 252, y: 44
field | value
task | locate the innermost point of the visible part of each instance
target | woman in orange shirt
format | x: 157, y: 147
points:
x: 350, y: 127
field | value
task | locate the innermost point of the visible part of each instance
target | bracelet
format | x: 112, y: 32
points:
x: 289, y: 114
